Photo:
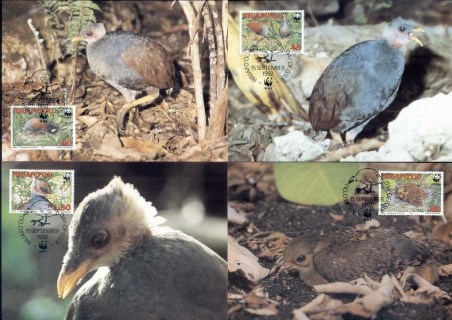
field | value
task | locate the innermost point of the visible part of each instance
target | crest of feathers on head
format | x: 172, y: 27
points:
x: 124, y: 201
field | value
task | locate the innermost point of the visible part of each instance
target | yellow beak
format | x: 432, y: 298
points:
x: 413, y: 37
x: 67, y: 281
x: 51, y: 197
x: 76, y: 39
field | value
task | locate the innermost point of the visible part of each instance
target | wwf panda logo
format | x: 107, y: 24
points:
x: 296, y: 16
x: 268, y: 82
x: 437, y: 178
x: 67, y: 177
x: 67, y: 112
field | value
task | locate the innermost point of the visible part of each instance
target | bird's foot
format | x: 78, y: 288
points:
x: 123, y: 113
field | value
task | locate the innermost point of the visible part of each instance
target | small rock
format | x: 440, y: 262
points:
x: 295, y: 146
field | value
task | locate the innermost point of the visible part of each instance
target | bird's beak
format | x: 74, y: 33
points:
x: 76, y: 39
x: 67, y: 281
x: 284, y: 267
x: 413, y: 37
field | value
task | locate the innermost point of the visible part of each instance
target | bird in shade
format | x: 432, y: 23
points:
x: 41, y: 192
x: 361, y: 82
x: 131, y: 63
x: 346, y: 256
x: 40, y: 125
x: 144, y: 270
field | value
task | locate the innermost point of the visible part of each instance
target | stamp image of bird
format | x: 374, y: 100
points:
x: 156, y: 272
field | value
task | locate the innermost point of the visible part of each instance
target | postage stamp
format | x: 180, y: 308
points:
x: 272, y: 31
x: 415, y: 193
x: 44, y: 192
x: 43, y: 128
x: 361, y: 193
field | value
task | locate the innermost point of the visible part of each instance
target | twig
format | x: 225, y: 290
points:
x: 196, y: 65
x: 38, y: 41
x: 212, y: 59
x: 221, y: 62
x: 74, y: 62
x: 311, y: 14
x: 218, y: 119
x: 364, y: 145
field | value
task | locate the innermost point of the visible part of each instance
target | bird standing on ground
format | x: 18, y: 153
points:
x: 129, y: 62
x: 346, y: 256
x: 361, y: 82
x: 284, y: 28
x: 144, y: 270
x: 41, y: 192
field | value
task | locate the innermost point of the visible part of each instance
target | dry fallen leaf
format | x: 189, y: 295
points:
x: 336, y: 217
x: 88, y: 120
x: 443, y: 232
x: 236, y: 217
x: 275, y: 243
x: 445, y: 270
x: 244, y: 262
x: 258, y: 303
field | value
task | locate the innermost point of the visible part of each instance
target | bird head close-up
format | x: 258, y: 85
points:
x: 105, y: 226
x: 299, y: 256
x: 41, y: 187
x: 399, y: 33
x: 91, y: 33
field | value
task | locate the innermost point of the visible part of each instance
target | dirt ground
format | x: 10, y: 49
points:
x: 268, y: 212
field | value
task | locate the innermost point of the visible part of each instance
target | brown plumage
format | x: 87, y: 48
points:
x: 346, y: 256
x: 411, y: 193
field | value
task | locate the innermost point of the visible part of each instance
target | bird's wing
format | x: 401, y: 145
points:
x: 355, y: 81
x: 151, y: 61
x: 373, y: 252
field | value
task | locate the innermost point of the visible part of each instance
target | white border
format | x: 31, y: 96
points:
x: 251, y: 11
x: 13, y: 147
x: 72, y: 172
x: 384, y: 213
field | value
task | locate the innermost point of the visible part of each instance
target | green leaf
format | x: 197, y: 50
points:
x: 313, y: 183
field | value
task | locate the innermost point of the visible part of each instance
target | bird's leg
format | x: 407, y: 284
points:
x: 337, y: 136
x: 123, y: 112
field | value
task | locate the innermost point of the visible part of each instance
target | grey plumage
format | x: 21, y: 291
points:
x: 129, y: 62
x: 145, y: 271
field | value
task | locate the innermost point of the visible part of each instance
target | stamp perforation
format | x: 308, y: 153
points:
x: 14, y: 146
x: 417, y: 213
x: 302, y: 51
x: 72, y: 172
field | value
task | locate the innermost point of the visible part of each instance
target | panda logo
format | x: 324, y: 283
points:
x: 296, y: 16
x: 268, y: 83
x: 436, y: 178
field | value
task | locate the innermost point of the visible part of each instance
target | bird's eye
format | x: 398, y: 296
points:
x: 89, y: 34
x: 99, y: 238
x: 301, y: 258
x: 402, y: 29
